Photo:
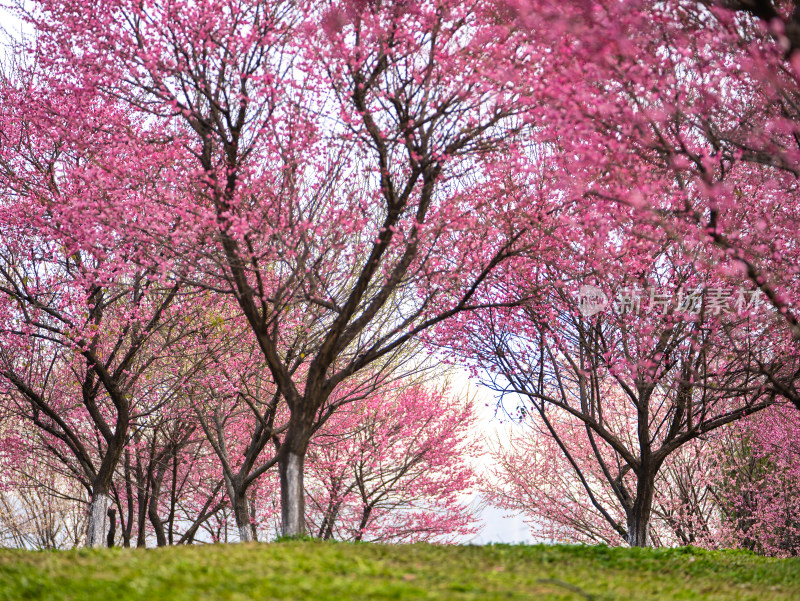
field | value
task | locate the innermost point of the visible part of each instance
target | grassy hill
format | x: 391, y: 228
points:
x: 340, y: 572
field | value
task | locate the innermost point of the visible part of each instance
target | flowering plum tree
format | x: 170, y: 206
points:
x: 395, y: 466
x: 636, y: 382
x: 241, y: 415
x: 74, y: 346
x: 755, y: 482
x: 534, y: 477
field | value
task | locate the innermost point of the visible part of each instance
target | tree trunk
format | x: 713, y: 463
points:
x: 638, y: 530
x: 328, y: 522
x: 112, y: 529
x: 639, y: 514
x: 141, y: 518
x: 142, y: 500
x: 293, y: 502
x: 155, y: 520
x: 126, y: 521
x: 156, y: 481
x: 364, y: 521
x: 244, y: 521
x: 96, y: 529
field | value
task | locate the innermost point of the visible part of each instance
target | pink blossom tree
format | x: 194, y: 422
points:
x: 682, y: 121
x: 756, y: 482
x: 73, y: 351
x: 621, y: 390
x: 242, y: 417
x: 395, y: 466
x: 82, y: 326
x: 533, y: 476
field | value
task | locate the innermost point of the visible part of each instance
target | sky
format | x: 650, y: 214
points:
x: 498, y: 525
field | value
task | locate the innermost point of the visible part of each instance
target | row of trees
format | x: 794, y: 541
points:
x: 244, y: 161
x: 391, y: 466
x: 228, y: 222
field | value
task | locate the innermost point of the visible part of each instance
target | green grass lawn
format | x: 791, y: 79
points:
x: 339, y: 572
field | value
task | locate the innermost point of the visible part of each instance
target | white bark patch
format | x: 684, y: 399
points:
x: 639, y: 535
x: 246, y: 533
x: 96, y: 529
x: 294, y: 482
